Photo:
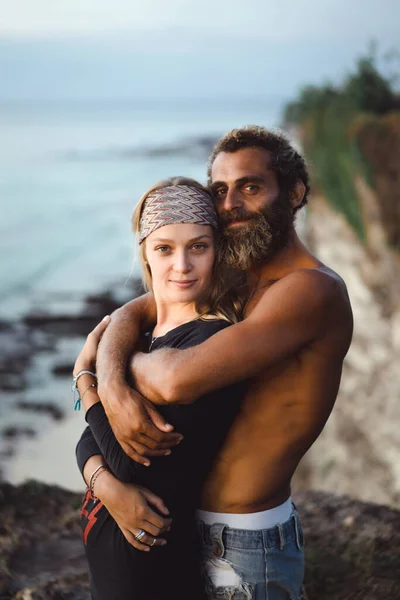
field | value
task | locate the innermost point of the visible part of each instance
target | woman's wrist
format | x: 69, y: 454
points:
x: 83, y: 366
x: 107, y: 488
x: 100, y: 482
x: 87, y: 388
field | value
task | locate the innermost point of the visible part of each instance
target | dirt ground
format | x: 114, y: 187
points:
x: 352, y: 548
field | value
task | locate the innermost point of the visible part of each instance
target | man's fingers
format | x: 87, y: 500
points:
x: 131, y: 452
x: 159, y: 420
x: 140, y: 453
x: 144, y: 451
x: 155, y: 501
x: 163, y: 452
x: 149, y: 429
x: 160, y: 440
x: 151, y: 444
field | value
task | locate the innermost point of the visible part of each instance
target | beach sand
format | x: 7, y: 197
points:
x: 50, y: 457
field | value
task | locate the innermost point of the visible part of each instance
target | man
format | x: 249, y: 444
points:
x: 290, y: 348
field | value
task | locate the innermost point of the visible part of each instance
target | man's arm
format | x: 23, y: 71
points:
x: 293, y: 313
x: 120, y: 338
x: 138, y: 427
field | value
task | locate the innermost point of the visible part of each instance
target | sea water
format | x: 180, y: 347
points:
x: 70, y: 176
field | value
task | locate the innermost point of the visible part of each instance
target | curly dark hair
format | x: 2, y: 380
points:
x: 288, y: 164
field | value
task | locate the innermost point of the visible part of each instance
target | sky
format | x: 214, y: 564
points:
x: 124, y: 49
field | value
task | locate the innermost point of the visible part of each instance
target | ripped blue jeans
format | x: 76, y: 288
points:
x: 266, y: 564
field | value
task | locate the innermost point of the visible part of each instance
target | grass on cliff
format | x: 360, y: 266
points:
x: 326, y: 116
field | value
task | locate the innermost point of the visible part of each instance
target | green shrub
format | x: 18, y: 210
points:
x: 326, y: 114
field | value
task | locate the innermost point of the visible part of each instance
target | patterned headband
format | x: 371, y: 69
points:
x: 176, y: 204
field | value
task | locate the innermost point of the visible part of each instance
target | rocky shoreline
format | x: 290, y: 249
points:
x: 41, y: 334
x: 352, y: 548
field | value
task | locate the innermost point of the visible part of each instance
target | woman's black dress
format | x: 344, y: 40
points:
x: 118, y: 570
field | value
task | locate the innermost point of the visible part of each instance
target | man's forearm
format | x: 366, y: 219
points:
x: 121, y: 336
x: 155, y: 377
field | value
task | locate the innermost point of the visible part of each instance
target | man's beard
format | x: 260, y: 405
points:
x: 256, y: 241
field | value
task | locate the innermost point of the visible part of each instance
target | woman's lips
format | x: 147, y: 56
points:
x: 184, y: 284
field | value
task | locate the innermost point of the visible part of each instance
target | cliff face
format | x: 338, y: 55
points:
x: 358, y: 452
x: 379, y: 142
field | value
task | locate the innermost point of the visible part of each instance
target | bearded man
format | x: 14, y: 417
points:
x: 290, y: 347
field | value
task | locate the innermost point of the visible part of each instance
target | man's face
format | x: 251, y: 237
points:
x: 257, y: 219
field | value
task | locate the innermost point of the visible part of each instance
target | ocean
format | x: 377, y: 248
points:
x: 70, y: 177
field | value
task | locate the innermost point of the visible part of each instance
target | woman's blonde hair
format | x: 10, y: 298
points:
x: 225, y: 299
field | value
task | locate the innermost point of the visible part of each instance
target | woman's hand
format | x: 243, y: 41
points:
x: 131, y: 508
x: 87, y: 356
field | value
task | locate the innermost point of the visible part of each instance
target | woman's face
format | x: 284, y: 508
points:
x: 181, y: 258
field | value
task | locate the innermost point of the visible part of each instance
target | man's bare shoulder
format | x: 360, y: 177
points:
x: 322, y: 282
x: 307, y: 291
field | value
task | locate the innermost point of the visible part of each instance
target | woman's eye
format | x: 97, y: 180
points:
x: 199, y: 247
x: 162, y: 249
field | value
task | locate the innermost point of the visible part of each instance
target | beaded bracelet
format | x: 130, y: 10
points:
x: 92, y: 385
x: 93, y: 474
x: 100, y: 469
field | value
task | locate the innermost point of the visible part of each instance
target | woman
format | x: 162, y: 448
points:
x: 178, y: 234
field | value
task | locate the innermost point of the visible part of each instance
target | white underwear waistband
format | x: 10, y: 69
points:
x: 253, y: 521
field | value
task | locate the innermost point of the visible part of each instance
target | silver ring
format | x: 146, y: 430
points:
x: 140, y: 534
x: 153, y: 542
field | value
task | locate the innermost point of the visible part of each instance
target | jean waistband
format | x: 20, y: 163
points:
x: 223, y: 537
x: 250, y: 521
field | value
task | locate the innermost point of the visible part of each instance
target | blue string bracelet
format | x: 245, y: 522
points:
x: 78, y: 402
x: 74, y: 387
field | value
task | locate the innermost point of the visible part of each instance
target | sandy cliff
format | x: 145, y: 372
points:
x: 358, y: 453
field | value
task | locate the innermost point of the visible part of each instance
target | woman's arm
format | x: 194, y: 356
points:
x: 99, y: 438
x: 130, y: 506
x: 85, y: 448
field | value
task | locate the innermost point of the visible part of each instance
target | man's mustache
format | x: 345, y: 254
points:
x: 240, y: 214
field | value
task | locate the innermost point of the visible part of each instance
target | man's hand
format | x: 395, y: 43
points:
x: 138, y: 427
x: 131, y: 508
